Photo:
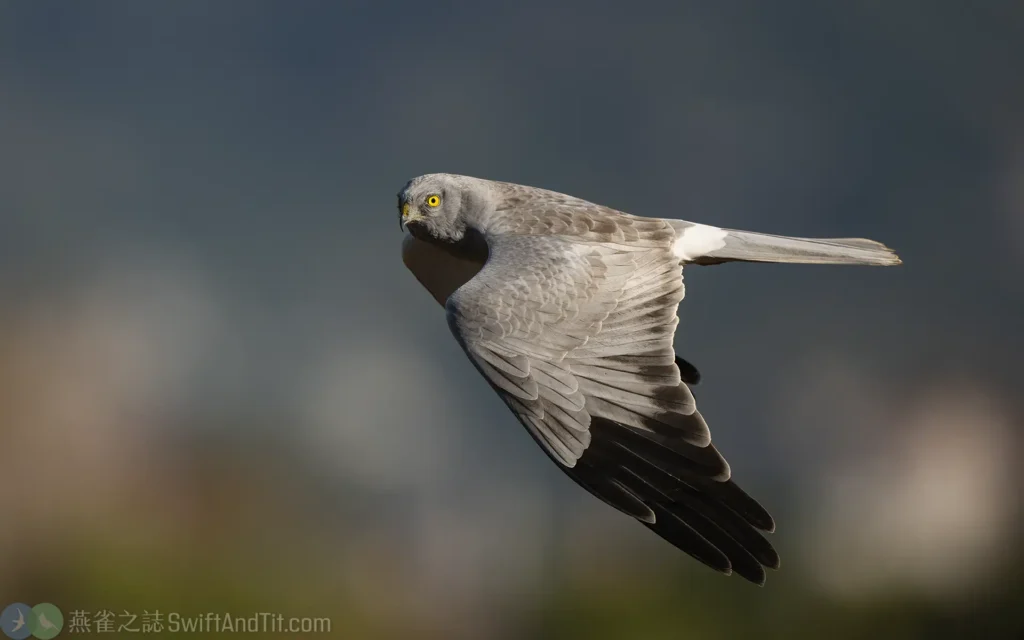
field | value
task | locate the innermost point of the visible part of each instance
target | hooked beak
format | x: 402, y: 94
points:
x: 406, y: 215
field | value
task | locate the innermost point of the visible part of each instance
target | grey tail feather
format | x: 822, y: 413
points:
x: 747, y: 246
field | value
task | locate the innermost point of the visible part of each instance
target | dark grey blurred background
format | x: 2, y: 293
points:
x: 220, y: 390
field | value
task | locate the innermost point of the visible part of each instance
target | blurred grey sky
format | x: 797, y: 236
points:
x: 203, y: 195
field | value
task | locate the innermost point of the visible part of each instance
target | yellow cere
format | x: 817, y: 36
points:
x: 433, y: 201
x: 405, y: 209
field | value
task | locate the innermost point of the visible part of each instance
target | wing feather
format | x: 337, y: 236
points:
x: 576, y: 337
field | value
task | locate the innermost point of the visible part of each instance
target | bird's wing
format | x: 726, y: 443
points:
x: 529, y: 211
x: 576, y: 338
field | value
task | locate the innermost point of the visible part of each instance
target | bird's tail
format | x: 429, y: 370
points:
x: 702, y: 244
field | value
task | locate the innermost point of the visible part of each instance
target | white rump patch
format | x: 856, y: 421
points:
x: 698, y: 240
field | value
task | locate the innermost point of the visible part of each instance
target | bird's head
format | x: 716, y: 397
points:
x: 438, y: 207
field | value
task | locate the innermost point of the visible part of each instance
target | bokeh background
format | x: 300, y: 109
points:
x: 221, y: 391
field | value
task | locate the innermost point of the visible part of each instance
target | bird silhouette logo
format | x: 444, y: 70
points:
x: 15, y: 621
x: 48, y: 621
x: 19, y: 621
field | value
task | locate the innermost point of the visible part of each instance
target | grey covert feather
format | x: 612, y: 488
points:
x: 568, y: 309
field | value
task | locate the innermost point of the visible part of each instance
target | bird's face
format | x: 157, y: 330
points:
x: 431, y: 207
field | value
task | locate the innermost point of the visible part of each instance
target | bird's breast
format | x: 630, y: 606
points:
x: 439, y: 271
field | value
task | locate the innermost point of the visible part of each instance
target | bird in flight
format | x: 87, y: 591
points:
x: 19, y: 622
x: 568, y: 310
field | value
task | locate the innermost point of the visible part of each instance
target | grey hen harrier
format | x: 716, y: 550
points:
x: 568, y: 309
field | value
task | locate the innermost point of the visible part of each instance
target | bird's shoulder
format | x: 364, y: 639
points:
x: 524, y: 210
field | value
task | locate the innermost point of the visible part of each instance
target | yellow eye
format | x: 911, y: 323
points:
x: 433, y: 201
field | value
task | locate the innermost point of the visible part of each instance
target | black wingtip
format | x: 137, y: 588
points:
x: 715, y: 522
x: 688, y: 372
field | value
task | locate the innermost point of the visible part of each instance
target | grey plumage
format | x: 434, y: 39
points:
x: 568, y: 309
x: 747, y: 246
